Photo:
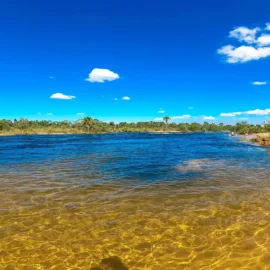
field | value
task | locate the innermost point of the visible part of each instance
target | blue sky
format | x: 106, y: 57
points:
x: 192, y: 60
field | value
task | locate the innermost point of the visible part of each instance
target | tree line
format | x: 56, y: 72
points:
x: 90, y: 125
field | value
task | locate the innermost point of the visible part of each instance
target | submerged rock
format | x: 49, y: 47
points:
x: 111, y: 263
x: 195, y: 165
x: 72, y: 205
x: 199, y: 165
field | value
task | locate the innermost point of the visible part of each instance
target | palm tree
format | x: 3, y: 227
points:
x: 166, y: 120
x: 87, y: 122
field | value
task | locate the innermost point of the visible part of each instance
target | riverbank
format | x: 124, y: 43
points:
x: 40, y: 133
x: 21, y: 133
x: 262, y: 139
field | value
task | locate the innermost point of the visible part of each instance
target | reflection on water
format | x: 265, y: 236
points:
x: 102, y: 203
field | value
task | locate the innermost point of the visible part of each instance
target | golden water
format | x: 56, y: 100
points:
x: 216, y: 223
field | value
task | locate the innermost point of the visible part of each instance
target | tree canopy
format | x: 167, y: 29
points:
x: 90, y: 125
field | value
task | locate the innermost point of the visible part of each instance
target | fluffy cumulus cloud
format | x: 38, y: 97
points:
x: 158, y: 119
x: 245, y: 34
x: 259, y: 83
x: 257, y: 112
x: 264, y: 40
x: 61, y: 96
x: 209, y: 118
x: 101, y: 75
x: 254, y: 45
x: 243, y: 53
x: 126, y: 98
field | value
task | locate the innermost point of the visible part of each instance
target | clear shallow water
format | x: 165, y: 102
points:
x: 134, y: 201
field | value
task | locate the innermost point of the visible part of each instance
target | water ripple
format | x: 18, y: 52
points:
x: 134, y: 201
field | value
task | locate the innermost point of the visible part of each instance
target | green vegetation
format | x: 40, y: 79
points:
x: 90, y: 125
x: 263, y: 139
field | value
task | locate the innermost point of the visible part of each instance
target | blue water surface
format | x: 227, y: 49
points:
x: 139, y: 156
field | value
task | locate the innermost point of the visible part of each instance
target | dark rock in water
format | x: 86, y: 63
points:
x: 113, y: 263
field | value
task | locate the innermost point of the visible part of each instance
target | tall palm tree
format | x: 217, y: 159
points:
x: 87, y: 122
x: 166, y: 119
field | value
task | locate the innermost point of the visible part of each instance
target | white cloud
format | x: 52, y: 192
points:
x: 243, y: 53
x: 61, y: 96
x: 244, y: 34
x: 101, y: 75
x: 209, y: 118
x: 161, y: 111
x: 80, y: 114
x: 228, y: 114
x: 158, y: 119
x: 251, y: 112
x: 259, y: 83
x: 115, y: 98
x: 263, y: 40
x: 267, y: 28
x: 49, y: 113
x: 126, y: 98
x: 190, y: 108
x: 51, y: 77
x: 185, y: 116
x: 253, y: 47
x: 258, y: 112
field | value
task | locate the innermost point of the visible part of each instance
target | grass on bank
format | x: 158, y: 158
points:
x: 263, y: 139
x: 41, y: 131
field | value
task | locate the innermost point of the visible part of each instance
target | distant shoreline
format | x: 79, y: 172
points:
x: 89, y: 125
x: 31, y: 134
x: 96, y: 133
